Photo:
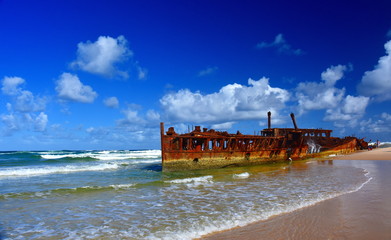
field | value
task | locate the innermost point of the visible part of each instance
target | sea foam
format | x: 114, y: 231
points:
x: 241, y: 175
x: 36, y: 171
x: 192, y: 182
x: 104, y: 155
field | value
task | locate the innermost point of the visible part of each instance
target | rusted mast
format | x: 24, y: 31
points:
x: 269, y: 120
x: 294, y: 121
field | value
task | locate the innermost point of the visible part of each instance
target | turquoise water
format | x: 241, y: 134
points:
x: 125, y: 195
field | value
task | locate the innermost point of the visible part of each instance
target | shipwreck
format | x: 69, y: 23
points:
x: 208, y: 148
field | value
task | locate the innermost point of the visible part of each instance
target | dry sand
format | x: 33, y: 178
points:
x: 376, y: 154
x: 365, y: 214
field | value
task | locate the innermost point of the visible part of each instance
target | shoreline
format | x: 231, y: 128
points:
x: 375, y: 154
x: 363, y: 214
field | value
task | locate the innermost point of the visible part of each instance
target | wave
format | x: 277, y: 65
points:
x: 385, y: 144
x: 43, y: 194
x: 234, y: 219
x: 37, y: 171
x: 193, y: 180
x: 104, y: 155
x: 18, y: 155
x: 367, y: 174
x: 9, y: 152
x: 222, y: 203
x: 89, y: 159
x: 381, y: 144
x: 88, y: 188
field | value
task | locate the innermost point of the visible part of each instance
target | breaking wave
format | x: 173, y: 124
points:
x: 116, y: 198
x: 192, y: 182
x: 36, y: 171
x: 43, y: 194
x: 104, y: 155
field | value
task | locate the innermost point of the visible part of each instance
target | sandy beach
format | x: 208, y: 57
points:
x: 364, y: 214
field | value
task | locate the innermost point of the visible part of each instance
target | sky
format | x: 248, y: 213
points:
x: 104, y: 74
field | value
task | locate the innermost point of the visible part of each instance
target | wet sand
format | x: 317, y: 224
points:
x: 365, y: 214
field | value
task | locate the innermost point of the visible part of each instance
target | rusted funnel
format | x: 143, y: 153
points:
x: 269, y: 120
x: 294, y: 121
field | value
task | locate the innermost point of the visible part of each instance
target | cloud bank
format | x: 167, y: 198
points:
x: 10, y: 85
x: 325, y: 96
x: 233, y: 102
x: 381, y: 125
x: 377, y: 83
x: 236, y: 102
x: 25, y: 111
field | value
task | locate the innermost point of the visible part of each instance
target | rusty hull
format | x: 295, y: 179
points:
x: 208, y: 149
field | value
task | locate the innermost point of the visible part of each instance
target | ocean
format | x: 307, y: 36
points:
x: 125, y: 194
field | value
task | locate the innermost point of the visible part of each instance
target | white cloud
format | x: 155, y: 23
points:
x: 316, y: 96
x: 11, y: 85
x: 24, y: 101
x: 135, y: 120
x: 207, y: 71
x: 100, y: 57
x: 233, y: 102
x: 29, y: 121
x: 131, y: 117
x: 10, y: 122
x: 343, y: 110
x: 223, y: 126
x: 333, y: 74
x: 355, y: 105
x: 90, y: 130
x: 281, y: 45
x: 111, y: 102
x: 386, y: 117
x: 377, y: 83
x: 40, y: 122
x: 70, y: 88
x: 23, y: 108
x: 153, y: 115
x: 380, y: 126
x: 323, y: 95
x: 349, y: 110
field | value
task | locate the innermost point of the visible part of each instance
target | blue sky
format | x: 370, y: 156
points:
x: 104, y: 74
